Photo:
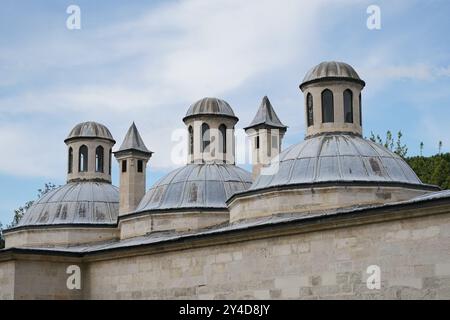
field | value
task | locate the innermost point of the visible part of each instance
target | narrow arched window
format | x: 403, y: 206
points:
x: 327, y: 106
x: 348, y: 106
x: 205, y: 137
x: 110, y: 159
x: 83, y: 159
x: 309, y: 109
x: 70, y: 164
x: 223, y: 138
x: 191, y: 140
x: 360, y: 111
x: 99, y: 156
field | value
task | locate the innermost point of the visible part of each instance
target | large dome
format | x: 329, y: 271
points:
x: 75, y: 203
x: 337, y: 158
x: 210, y: 106
x: 90, y: 129
x: 196, y: 186
x: 331, y: 70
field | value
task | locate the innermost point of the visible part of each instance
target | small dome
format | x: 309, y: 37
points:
x: 331, y: 70
x: 210, y: 106
x: 196, y: 186
x: 90, y: 129
x: 75, y: 203
x: 337, y: 158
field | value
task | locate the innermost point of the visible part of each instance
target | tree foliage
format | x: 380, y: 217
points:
x: 390, y: 143
x: 430, y: 170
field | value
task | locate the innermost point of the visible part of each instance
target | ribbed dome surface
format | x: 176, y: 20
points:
x: 333, y: 70
x: 210, y: 106
x: 75, y: 203
x: 196, y: 186
x: 335, y: 158
x: 90, y: 129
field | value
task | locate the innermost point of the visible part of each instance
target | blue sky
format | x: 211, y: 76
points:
x: 147, y: 61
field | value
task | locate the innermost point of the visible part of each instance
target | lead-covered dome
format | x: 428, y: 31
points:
x: 337, y: 158
x: 331, y: 70
x: 206, y: 186
x: 210, y: 106
x: 90, y: 129
x: 79, y: 203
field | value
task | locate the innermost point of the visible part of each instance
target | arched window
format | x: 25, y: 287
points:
x: 348, y: 106
x: 70, y: 165
x: 99, y: 156
x: 223, y: 138
x: 309, y: 108
x: 110, y: 159
x: 327, y: 106
x: 191, y: 140
x: 83, y: 159
x: 360, y: 110
x: 205, y: 137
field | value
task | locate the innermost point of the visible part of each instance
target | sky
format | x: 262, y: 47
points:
x: 148, y: 61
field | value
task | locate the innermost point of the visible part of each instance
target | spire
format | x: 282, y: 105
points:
x: 133, y: 141
x: 266, y: 116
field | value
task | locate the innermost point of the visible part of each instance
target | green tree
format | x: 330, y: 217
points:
x: 430, y: 170
x: 19, y: 212
x: 390, y: 143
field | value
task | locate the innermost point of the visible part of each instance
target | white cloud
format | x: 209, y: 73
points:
x: 30, y: 152
x: 142, y: 68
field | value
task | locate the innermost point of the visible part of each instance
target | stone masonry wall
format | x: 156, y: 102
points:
x: 413, y: 254
x: 7, y: 280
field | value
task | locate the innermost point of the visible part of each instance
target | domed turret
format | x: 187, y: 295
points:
x: 210, y: 123
x: 86, y: 208
x: 194, y: 196
x: 332, y: 93
x: 89, y: 153
x: 334, y: 167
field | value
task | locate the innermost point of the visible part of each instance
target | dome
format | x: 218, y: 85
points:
x: 210, y: 106
x: 331, y: 70
x: 75, y: 203
x: 196, y: 186
x: 337, y: 158
x: 90, y: 129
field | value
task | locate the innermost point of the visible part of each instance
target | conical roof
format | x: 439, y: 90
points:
x: 133, y: 141
x: 266, y: 116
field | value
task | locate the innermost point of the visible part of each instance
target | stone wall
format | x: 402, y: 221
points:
x: 37, y: 279
x: 7, y: 280
x: 43, y: 280
x: 307, y: 200
x: 413, y: 254
x: 180, y: 221
x: 58, y: 236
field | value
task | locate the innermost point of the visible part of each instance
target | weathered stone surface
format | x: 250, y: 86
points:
x: 326, y: 264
